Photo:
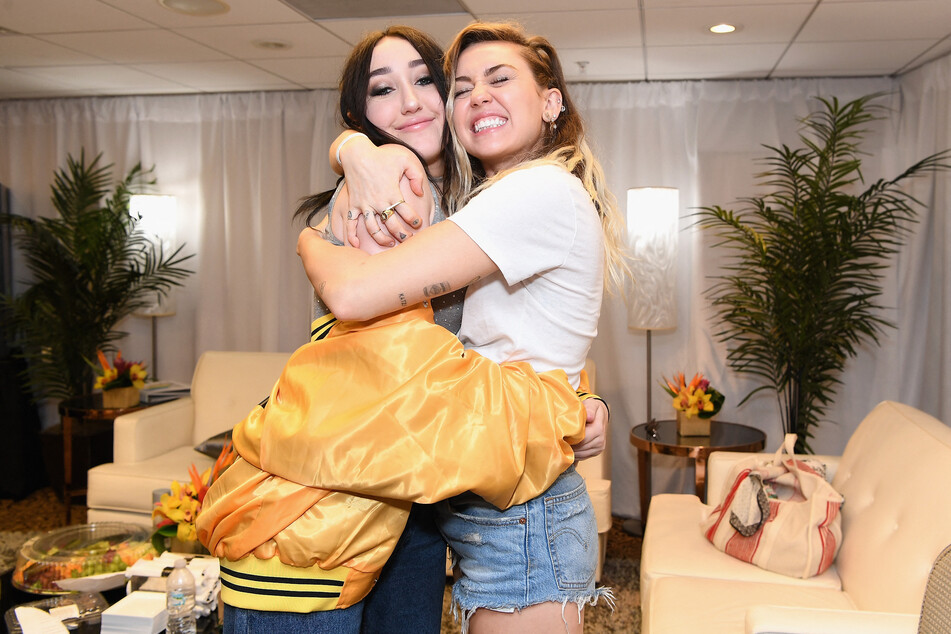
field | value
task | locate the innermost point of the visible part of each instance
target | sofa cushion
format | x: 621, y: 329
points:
x: 227, y: 385
x: 212, y: 447
x: 674, y: 545
x: 719, y: 607
x: 129, y: 486
x: 895, y: 466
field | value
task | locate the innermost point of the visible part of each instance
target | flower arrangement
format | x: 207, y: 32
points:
x: 179, y: 509
x: 696, y: 399
x: 120, y: 373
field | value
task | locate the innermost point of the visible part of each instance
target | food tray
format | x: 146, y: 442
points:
x: 89, y: 605
x: 79, y: 551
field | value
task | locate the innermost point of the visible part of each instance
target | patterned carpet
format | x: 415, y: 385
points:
x: 42, y: 511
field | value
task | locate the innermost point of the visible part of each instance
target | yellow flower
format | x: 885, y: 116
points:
x: 138, y: 375
x: 187, y: 532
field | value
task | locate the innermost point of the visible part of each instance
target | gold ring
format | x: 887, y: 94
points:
x: 385, y: 214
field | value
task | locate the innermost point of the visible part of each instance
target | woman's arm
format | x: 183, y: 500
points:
x: 357, y: 286
x: 595, y: 430
x: 421, y: 206
x: 372, y: 174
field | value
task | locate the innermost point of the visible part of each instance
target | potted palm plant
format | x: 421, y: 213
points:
x: 800, y: 289
x: 90, y: 268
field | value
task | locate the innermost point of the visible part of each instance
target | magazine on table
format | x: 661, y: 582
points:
x: 162, y: 391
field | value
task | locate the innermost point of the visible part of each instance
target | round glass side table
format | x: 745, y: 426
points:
x: 661, y: 437
x: 73, y: 412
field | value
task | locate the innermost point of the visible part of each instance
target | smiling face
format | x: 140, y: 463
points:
x: 498, y: 107
x: 403, y: 101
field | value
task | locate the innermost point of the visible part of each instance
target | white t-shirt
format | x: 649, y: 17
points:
x: 540, y: 227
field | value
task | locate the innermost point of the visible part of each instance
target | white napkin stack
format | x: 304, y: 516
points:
x: 136, y: 613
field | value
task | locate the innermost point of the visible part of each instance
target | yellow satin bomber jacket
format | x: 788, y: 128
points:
x: 379, y: 414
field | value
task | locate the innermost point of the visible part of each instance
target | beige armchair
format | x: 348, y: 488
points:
x: 154, y: 446
x: 895, y: 520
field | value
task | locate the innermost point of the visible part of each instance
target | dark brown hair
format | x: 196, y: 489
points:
x: 354, y: 82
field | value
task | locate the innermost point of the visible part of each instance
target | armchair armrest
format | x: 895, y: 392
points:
x: 772, y: 619
x: 721, y: 462
x: 153, y: 431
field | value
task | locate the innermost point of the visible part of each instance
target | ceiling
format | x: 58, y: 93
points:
x: 66, y: 48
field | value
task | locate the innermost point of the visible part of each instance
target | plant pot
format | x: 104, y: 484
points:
x: 120, y: 397
x: 693, y: 426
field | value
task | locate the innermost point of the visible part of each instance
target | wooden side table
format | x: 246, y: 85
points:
x: 723, y: 436
x: 75, y: 411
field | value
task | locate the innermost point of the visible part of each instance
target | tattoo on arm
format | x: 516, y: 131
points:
x: 402, y: 299
x: 434, y: 290
x: 320, y: 288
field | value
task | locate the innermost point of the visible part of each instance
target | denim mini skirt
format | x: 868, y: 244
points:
x: 540, y: 551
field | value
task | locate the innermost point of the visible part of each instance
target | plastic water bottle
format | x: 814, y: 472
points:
x: 180, y: 600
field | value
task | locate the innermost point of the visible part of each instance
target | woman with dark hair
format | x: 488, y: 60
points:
x: 402, y: 102
x: 535, y: 237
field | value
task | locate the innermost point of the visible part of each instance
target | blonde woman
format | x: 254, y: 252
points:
x: 534, y: 241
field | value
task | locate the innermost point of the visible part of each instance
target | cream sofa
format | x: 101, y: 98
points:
x: 894, y: 475
x: 154, y: 446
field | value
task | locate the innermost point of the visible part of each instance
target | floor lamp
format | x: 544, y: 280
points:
x: 161, y: 308
x: 155, y: 216
x: 652, y: 224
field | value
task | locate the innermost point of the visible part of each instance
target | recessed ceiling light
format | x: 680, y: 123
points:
x: 721, y: 29
x: 271, y: 45
x: 196, y: 7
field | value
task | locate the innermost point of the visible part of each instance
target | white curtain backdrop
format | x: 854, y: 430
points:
x: 239, y: 162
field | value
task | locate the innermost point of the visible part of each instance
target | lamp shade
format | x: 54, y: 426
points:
x: 155, y: 217
x: 652, y: 224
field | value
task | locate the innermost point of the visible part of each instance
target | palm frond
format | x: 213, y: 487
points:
x: 90, y: 267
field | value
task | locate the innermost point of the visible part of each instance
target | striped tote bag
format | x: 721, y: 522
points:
x: 779, y: 514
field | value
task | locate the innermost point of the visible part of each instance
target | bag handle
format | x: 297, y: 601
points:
x: 789, y: 448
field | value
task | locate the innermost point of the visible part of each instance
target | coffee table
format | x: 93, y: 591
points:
x: 662, y: 438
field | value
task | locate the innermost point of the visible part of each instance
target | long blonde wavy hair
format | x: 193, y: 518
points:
x: 565, y: 146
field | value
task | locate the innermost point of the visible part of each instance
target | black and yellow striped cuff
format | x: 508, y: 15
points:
x: 584, y: 396
x: 320, y: 327
x: 273, y: 586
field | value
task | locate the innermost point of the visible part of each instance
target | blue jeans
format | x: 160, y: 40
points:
x: 406, y: 598
x: 540, y: 551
